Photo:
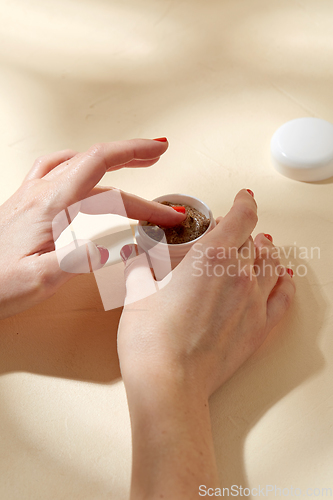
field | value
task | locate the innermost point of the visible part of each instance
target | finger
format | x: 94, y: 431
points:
x: 280, y: 300
x: 138, y: 277
x: 136, y: 164
x: 240, y: 221
x: 264, y: 245
x: 63, y: 219
x: 55, y: 173
x: 113, y: 201
x: 110, y: 200
x: 44, y: 164
x: 247, y: 251
x: 81, y: 256
x: 267, y: 263
x: 86, y: 170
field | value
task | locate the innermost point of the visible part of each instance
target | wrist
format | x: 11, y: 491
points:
x: 173, y: 451
x: 161, y: 382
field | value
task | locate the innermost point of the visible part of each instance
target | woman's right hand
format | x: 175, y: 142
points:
x: 213, y: 314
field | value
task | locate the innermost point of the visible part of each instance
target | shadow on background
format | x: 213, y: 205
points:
x: 69, y: 336
x: 279, y: 366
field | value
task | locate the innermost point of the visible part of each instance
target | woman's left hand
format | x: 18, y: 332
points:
x: 29, y: 267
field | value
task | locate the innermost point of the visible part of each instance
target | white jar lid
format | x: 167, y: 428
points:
x: 302, y: 149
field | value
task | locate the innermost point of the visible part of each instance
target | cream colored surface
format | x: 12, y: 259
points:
x: 217, y: 78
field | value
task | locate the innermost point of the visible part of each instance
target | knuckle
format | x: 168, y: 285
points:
x: 31, y: 185
x: 69, y: 152
x: 249, y: 214
x: 41, y: 159
x: 245, y: 280
x: 97, y: 150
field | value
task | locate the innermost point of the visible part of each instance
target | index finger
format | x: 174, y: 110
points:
x: 110, y: 200
x: 236, y: 227
x: 84, y: 171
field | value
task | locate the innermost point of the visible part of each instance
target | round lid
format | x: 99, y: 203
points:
x: 302, y: 149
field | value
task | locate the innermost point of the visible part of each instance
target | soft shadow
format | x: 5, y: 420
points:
x: 289, y: 356
x: 69, y: 335
x: 325, y: 181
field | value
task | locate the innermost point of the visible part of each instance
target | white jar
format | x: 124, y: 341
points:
x: 165, y: 257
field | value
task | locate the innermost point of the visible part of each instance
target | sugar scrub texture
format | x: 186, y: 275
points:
x: 191, y: 228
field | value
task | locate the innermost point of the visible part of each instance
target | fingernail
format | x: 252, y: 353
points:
x: 251, y: 192
x: 290, y: 272
x: 181, y: 210
x: 269, y: 237
x: 104, y: 253
x: 125, y: 252
x: 161, y: 139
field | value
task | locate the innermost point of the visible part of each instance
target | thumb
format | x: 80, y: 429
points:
x: 60, y: 265
x: 138, y: 277
x: 81, y: 256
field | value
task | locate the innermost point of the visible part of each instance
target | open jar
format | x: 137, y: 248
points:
x: 163, y: 256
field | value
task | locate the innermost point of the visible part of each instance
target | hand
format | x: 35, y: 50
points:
x: 203, y: 325
x: 29, y: 269
x: 178, y: 345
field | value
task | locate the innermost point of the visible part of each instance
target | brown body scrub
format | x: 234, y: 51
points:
x: 191, y: 228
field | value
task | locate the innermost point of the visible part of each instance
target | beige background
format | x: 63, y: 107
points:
x: 217, y: 78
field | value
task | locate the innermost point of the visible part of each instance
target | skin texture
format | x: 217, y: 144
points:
x: 178, y: 345
x: 178, y: 342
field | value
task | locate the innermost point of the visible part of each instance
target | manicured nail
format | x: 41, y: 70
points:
x: 269, y: 237
x: 251, y: 192
x: 104, y: 253
x: 125, y: 252
x: 290, y: 272
x: 181, y: 210
x: 161, y: 139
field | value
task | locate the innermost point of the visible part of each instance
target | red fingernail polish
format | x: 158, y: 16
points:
x: 269, y: 237
x: 104, y: 253
x: 125, y: 252
x: 251, y: 192
x: 290, y: 272
x: 181, y: 210
x: 161, y: 139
